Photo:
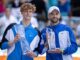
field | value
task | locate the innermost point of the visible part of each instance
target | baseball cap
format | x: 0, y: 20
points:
x: 53, y: 8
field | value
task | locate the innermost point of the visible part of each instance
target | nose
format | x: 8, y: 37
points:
x: 26, y: 13
x: 54, y: 15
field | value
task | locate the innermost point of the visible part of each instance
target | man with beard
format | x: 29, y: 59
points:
x: 57, y: 40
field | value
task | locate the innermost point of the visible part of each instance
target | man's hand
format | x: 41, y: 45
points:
x: 17, y: 37
x: 57, y: 50
x: 31, y: 54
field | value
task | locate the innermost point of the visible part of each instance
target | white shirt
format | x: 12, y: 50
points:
x: 78, y: 29
x: 7, y: 21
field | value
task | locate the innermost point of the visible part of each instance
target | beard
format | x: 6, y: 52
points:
x: 54, y: 20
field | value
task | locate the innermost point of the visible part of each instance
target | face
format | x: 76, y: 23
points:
x: 54, y: 16
x: 7, y: 12
x: 27, y: 14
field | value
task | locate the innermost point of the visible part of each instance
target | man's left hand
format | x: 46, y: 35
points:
x: 57, y: 50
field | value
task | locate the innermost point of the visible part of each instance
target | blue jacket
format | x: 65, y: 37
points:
x: 63, y: 39
x: 15, y: 51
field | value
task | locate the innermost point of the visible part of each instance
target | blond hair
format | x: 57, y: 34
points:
x: 27, y: 6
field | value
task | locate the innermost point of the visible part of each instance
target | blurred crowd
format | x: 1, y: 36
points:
x: 10, y: 13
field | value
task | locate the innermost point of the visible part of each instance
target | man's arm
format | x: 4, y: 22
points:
x: 7, y: 43
x: 73, y: 47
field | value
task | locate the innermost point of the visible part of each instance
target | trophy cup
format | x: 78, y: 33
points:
x: 24, y: 43
x: 50, y: 38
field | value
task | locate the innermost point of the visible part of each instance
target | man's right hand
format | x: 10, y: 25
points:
x: 31, y: 54
x: 17, y: 37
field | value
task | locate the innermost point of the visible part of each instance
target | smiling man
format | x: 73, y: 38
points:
x: 57, y: 39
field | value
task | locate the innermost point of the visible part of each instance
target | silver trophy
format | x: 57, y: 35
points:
x: 50, y: 38
x: 24, y: 43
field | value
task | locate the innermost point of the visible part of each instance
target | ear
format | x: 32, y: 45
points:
x: 22, y: 13
x: 59, y: 15
x: 48, y: 16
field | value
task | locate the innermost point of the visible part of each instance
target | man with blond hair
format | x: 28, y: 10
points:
x: 13, y: 37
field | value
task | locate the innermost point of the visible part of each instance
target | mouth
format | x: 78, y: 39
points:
x: 54, y: 20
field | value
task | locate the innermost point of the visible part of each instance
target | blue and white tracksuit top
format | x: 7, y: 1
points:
x: 63, y: 39
x: 15, y: 51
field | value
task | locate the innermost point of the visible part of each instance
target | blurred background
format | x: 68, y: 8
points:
x: 70, y: 12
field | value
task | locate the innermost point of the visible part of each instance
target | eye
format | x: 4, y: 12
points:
x: 51, y: 13
x: 56, y: 13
